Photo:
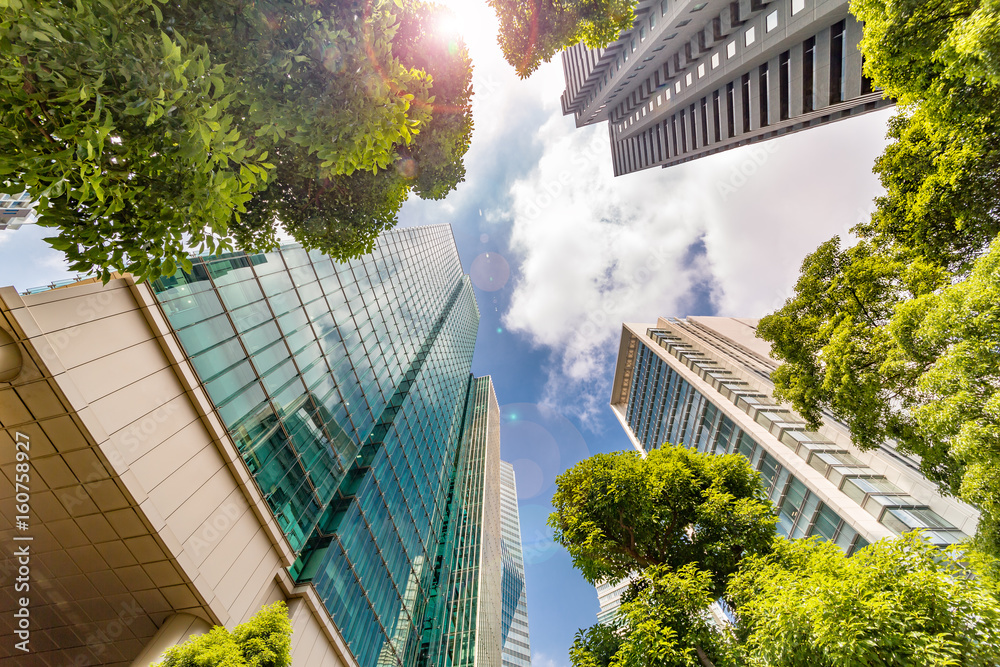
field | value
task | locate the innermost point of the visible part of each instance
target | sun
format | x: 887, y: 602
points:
x: 447, y: 24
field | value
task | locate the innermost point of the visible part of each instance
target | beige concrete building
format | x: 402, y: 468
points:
x: 704, y: 382
x: 144, y: 524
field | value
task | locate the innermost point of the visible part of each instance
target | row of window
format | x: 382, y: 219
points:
x: 879, y: 497
x: 714, y: 118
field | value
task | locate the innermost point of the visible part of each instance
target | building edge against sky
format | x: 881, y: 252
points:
x: 693, y: 78
x: 270, y: 427
x: 705, y: 382
x: 516, y: 647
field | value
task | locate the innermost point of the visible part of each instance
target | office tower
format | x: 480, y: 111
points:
x: 704, y: 382
x: 16, y: 210
x: 268, y: 427
x: 514, y: 629
x: 694, y: 78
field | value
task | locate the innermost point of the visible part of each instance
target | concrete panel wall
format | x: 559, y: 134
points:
x: 137, y: 433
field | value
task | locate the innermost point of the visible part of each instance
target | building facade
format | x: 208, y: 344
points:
x: 268, y: 427
x: 516, y: 646
x: 693, y: 78
x: 704, y: 382
x: 16, y: 210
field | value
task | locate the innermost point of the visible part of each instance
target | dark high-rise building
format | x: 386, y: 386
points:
x: 692, y: 78
x: 268, y: 427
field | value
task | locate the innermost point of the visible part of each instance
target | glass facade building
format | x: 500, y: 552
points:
x: 346, y: 388
x: 514, y: 626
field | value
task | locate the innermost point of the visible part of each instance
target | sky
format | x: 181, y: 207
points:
x: 561, y: 253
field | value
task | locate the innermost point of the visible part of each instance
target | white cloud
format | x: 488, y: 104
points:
x: 595, y: 251
x: 728, y: 232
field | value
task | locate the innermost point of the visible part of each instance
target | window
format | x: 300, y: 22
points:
x: 704, y: 121
x: 715, y: 60
x: 697, y: 8
x: 670, y: 36
x: 701, y: 70
x: 663, y: 7
x: 731, y: 109
x: 677, y: 87
x: 797, y: 6
x: 765, y: 95
x: 689, y: 78
x: 837, y: 54
x: 717, y: 115
x: 745, y: 100
x: 683, y: 23
x: 731, y: 49
x: 784, y: 77
x: 771, y: 22
x: 647, y: 59
x: 642, y: 34
x: 808, y: 65
x: 652, y: 21
x: 750, y: 36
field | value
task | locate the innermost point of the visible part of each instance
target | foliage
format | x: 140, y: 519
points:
x: 959, y: 328
x: 263, y: 641
x: 667, y: 621
x: 532, y: 31
x: 897, y: 602
x: 867, y: 335
x: 145, y: 128
x: 620, y: 513
x: 436, y: 154
x: 596, y: 646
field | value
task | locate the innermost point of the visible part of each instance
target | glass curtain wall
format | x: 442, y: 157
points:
x: 344, y: 387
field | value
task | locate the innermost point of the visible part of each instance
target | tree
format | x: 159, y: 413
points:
x: 596, y: 646
x: 620, y: 513
x: 667, y: 621
x: 959, y: 417
x: 263, y: 641
x: 532, y: 31
x: 897, y: 602
x: 146, y: 128
x: 853, y: 338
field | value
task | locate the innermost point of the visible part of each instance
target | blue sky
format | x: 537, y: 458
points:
x: 562, y: 253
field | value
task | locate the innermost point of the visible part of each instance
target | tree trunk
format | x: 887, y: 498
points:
x: 705, y: 662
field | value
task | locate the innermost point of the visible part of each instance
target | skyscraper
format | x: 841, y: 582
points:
x: 16, y: 210
x: 514, y: 628
x: 704, y: 382
x: 693, y: 78
x: 268, y: 427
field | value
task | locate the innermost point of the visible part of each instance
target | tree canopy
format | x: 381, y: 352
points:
x: 621, y: 513
x: 532, y: 31
x: 146, y: 128
x: 865, y: 336
x: 263, y: 641
x: 897, y: 602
